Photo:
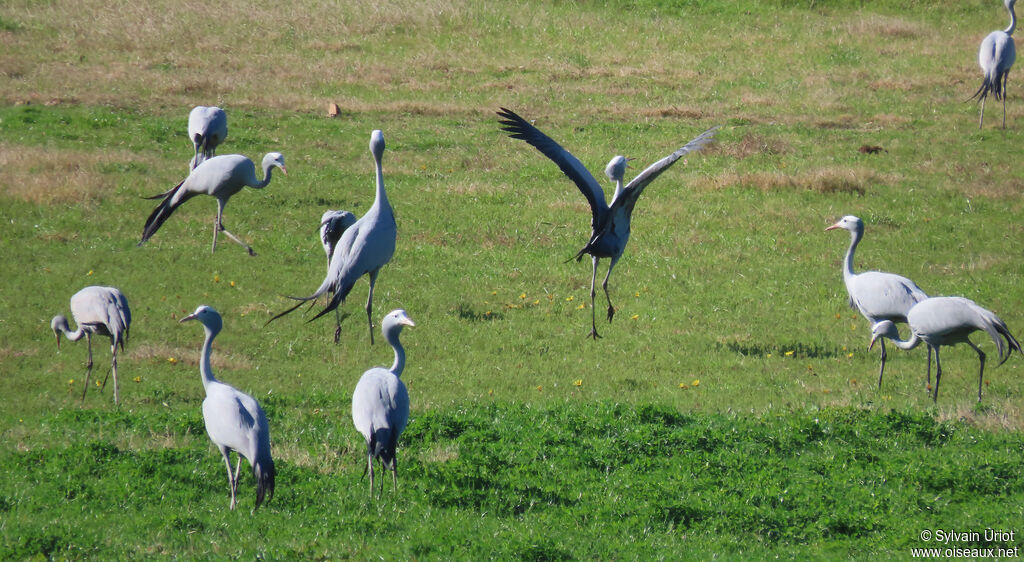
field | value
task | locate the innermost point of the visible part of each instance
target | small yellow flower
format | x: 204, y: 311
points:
x: 827, y: 391
x: 172, y: 360
x: 71, y: 381
x: 581, y: 306
x: 216, y: 278
x: 316, y: 410
x: 98, y: 383
x: 540, y: 387
x: 634, y: 317
x: 90, y: 273
x: 488, y: 313
x: 232, y: 283
x: 568, y: 298
x: 522, y: 295
x: 696, y: 382
x: 578, y: 382
x: 769, y: 355
x: 490, y: 392
x: 789, y: 354
x: 838, y: 316
x: 494, y: 293
x: 638, y: 293
x: 536, y: 301
x: 138, y: 379
x: 682, y: 385
x: 853, y: 381
x: 849, y: 355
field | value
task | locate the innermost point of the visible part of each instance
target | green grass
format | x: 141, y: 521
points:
x: 527, y: 440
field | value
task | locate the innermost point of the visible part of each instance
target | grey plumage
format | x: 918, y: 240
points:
x: 207, y: 128
x: 940, y: 321
x: 877, y: 295
x: 97, y: 310
x: 363, y: 249
x: 220, y: 177
x: 995, y: 57
x: 332, y: 225
x: 610, y: 224
x: 380, y: 402
x: 234, y: 420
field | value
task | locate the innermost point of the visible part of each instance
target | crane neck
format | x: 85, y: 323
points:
x: 855, y: 237
x: 205, y: 370
x: 618, y: 189
x: 907, y: 344
x: 1013, y: 19
x: 399, y: 365
x: 267, y: 172
x: 72, y: 336
x: 381, y: 198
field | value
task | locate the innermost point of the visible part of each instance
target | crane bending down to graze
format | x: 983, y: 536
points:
x: 332, y: 225
x: 380, y: 403
x: 221, y: 177
x: 877, y: 295
x: 207, y: 128
x: 97, y: 310
x: 234, y: 420
x: 942, y: 321
x: 996, y: 57
x: 609, y: 223
x: 363, y: 249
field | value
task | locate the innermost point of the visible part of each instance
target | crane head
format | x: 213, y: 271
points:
x: 377, y: 144
x: 849, y: 222
x: 59, y: 324
x: 616, y: 168
x: 883, y: 329
x: 274, y: 159
x: 208, y: 316
x: 394, y: 321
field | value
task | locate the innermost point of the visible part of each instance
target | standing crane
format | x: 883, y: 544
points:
x: 996, y: 57
x: 220, y: 177
x: 609, y: 223
x: 380, y: 402
x: 877, y: 295
x: 363, y: 249
x: 207, y: 128
x: 332, y: 225
x: 234, y: 420
x: 940, y: 321
x: 102, y: 311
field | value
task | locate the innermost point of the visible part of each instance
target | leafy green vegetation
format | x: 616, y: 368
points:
x: 731, y: 409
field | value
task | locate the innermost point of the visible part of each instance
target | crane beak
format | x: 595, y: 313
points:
x: 58, y: 340
x: 833, y: 227
x: 187, y: 318
x: 872, y: 344
x: 283, y: 171
x: 408, y: 322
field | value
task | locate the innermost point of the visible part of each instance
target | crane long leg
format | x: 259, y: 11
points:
x: 369, y: 303
x: 394, y: 475
x: 369, y: 468
x: 231, y: 481
x: 1005, y: 76
x: 88, y: 365
x: 611, y: 309
x: 219, y: 227
x: 593, y: 293
x: 981, y: 115
x: 113, y: 370
x: 938, y: 375
x: 881, y: 370
x: 238, y: 466
x: 928, y: 373
x: 337, y: 324
x: 981, y: 359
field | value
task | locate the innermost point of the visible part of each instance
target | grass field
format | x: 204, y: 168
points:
x: 731, y: 408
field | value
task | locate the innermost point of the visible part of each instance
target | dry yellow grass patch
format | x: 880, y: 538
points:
x: 46, y: 176
x: 889, y: 27
x: 824, y: 180
x: 187, y: 356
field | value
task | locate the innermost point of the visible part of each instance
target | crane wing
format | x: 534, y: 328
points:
x: 518, y: 128
x: 634, y: 188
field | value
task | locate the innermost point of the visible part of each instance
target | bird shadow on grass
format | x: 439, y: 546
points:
x: 812, y: 351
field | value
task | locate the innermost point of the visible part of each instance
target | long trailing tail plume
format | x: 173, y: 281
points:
x: 264, y: 472
x: 988, y: 84
x: 163, y: 211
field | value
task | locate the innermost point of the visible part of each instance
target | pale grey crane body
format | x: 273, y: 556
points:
x: 877, y: 295
x: 940, y: 321
x: 333, y: 225
x: 234, y: 420
x: 610, y: 223
x: 220, y: 177
x: 207, y: 128
x: 102, y: 311
x: 380, y: 402
x: 363, y: 249
x: 995, y: 57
